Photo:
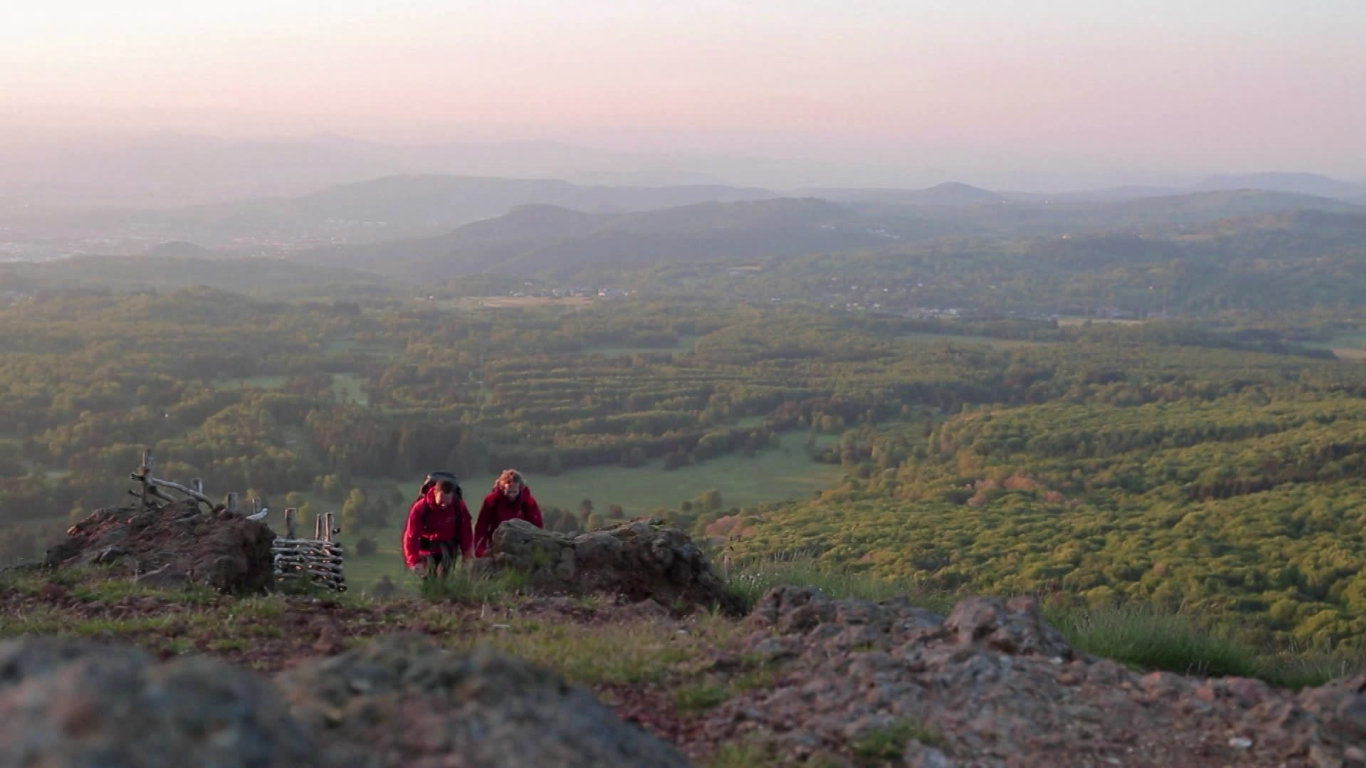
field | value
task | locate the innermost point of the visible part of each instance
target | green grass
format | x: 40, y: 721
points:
x: 461, y: 586
x: 1347, y: 346
x: 364, y: 573
x: 256, y: 607
x: 48, y: 622
x: 1151, y: 639
x: 1354, y: 340
x: 750, y: 579
x: 1296, y: 671
x: 744, y: 754
x: 761, y: 675
x: 693, y: 698
x: 347, y: 388
x: 1139, y: 636
x: 775, y: 474
x: 225, y: 644
x: 890, y: 743
x: 100, y: 590
x: 633, y: 653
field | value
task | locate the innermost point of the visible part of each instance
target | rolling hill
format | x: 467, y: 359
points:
x: 387, y: 208
x: 550, y: 240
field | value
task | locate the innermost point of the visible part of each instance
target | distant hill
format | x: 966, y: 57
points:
x: 171, y: 171
x: 947, y: 194
x: 1199, y: 207
x: 1016, y: 215
x: 548, y: 240
x: 388, y: 208
x: 1103, y: 195
x: 179, y: 249
x: 553, y: 241
x: 1296, y: 183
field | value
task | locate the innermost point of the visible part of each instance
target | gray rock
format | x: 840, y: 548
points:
x: 402, y: 701
x: 84, y: 705
x: 1012, y: 626
x: 637, y: 560
x: 841, y: 625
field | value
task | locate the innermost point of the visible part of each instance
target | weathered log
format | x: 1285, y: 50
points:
x: 156, y: 482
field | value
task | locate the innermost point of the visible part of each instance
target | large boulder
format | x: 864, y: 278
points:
x: 402, y: 701
x: 637, y: 560
x: 180, y: 544
x: 78, y: 704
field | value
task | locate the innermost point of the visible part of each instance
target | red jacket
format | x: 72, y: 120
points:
x: 498, y: 508
x: 429, y: 524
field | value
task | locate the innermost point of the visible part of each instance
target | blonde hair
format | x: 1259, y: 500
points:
x: 508, y: 477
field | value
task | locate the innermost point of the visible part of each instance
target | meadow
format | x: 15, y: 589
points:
x: 782, y: 473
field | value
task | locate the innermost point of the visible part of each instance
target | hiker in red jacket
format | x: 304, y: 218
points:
x: 509, y: 499
x: 438, y: 530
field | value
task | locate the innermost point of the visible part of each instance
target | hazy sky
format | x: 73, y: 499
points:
x: 961, y: 86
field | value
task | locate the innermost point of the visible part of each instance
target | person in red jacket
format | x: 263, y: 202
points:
x: 438, y: 530
x: 509, y: 499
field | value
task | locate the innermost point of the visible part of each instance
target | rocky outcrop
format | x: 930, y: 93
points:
x: 402, y: 701
x: 180, y: 544
x: 638, y: 560
x: 78, y: 704
x: 994, y: 685
x: 805, y: 680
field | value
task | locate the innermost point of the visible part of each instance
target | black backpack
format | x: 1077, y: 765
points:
x: 434, y: 478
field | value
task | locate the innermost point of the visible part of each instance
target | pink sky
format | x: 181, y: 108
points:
x: 973, y: 87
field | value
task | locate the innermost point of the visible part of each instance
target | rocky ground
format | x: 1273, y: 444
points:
x: 144, y: 676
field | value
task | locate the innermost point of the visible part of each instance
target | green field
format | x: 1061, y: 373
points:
x: 1346, y: 346
x: 347, y: 388
x: 784, y: 472
x: 1350, y: 346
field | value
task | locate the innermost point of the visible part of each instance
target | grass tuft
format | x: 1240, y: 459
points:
x: 1153, y: 639
x: 890, y: 743
x: 744, y: 754
x: 465, y: 587
x: 695, y: 698
x: 628, y: 652
x: 749, y: 580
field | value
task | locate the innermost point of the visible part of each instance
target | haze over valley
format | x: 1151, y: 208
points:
x: 1061, y: 300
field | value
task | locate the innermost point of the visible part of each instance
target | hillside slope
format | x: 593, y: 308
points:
x: 555, y: 241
